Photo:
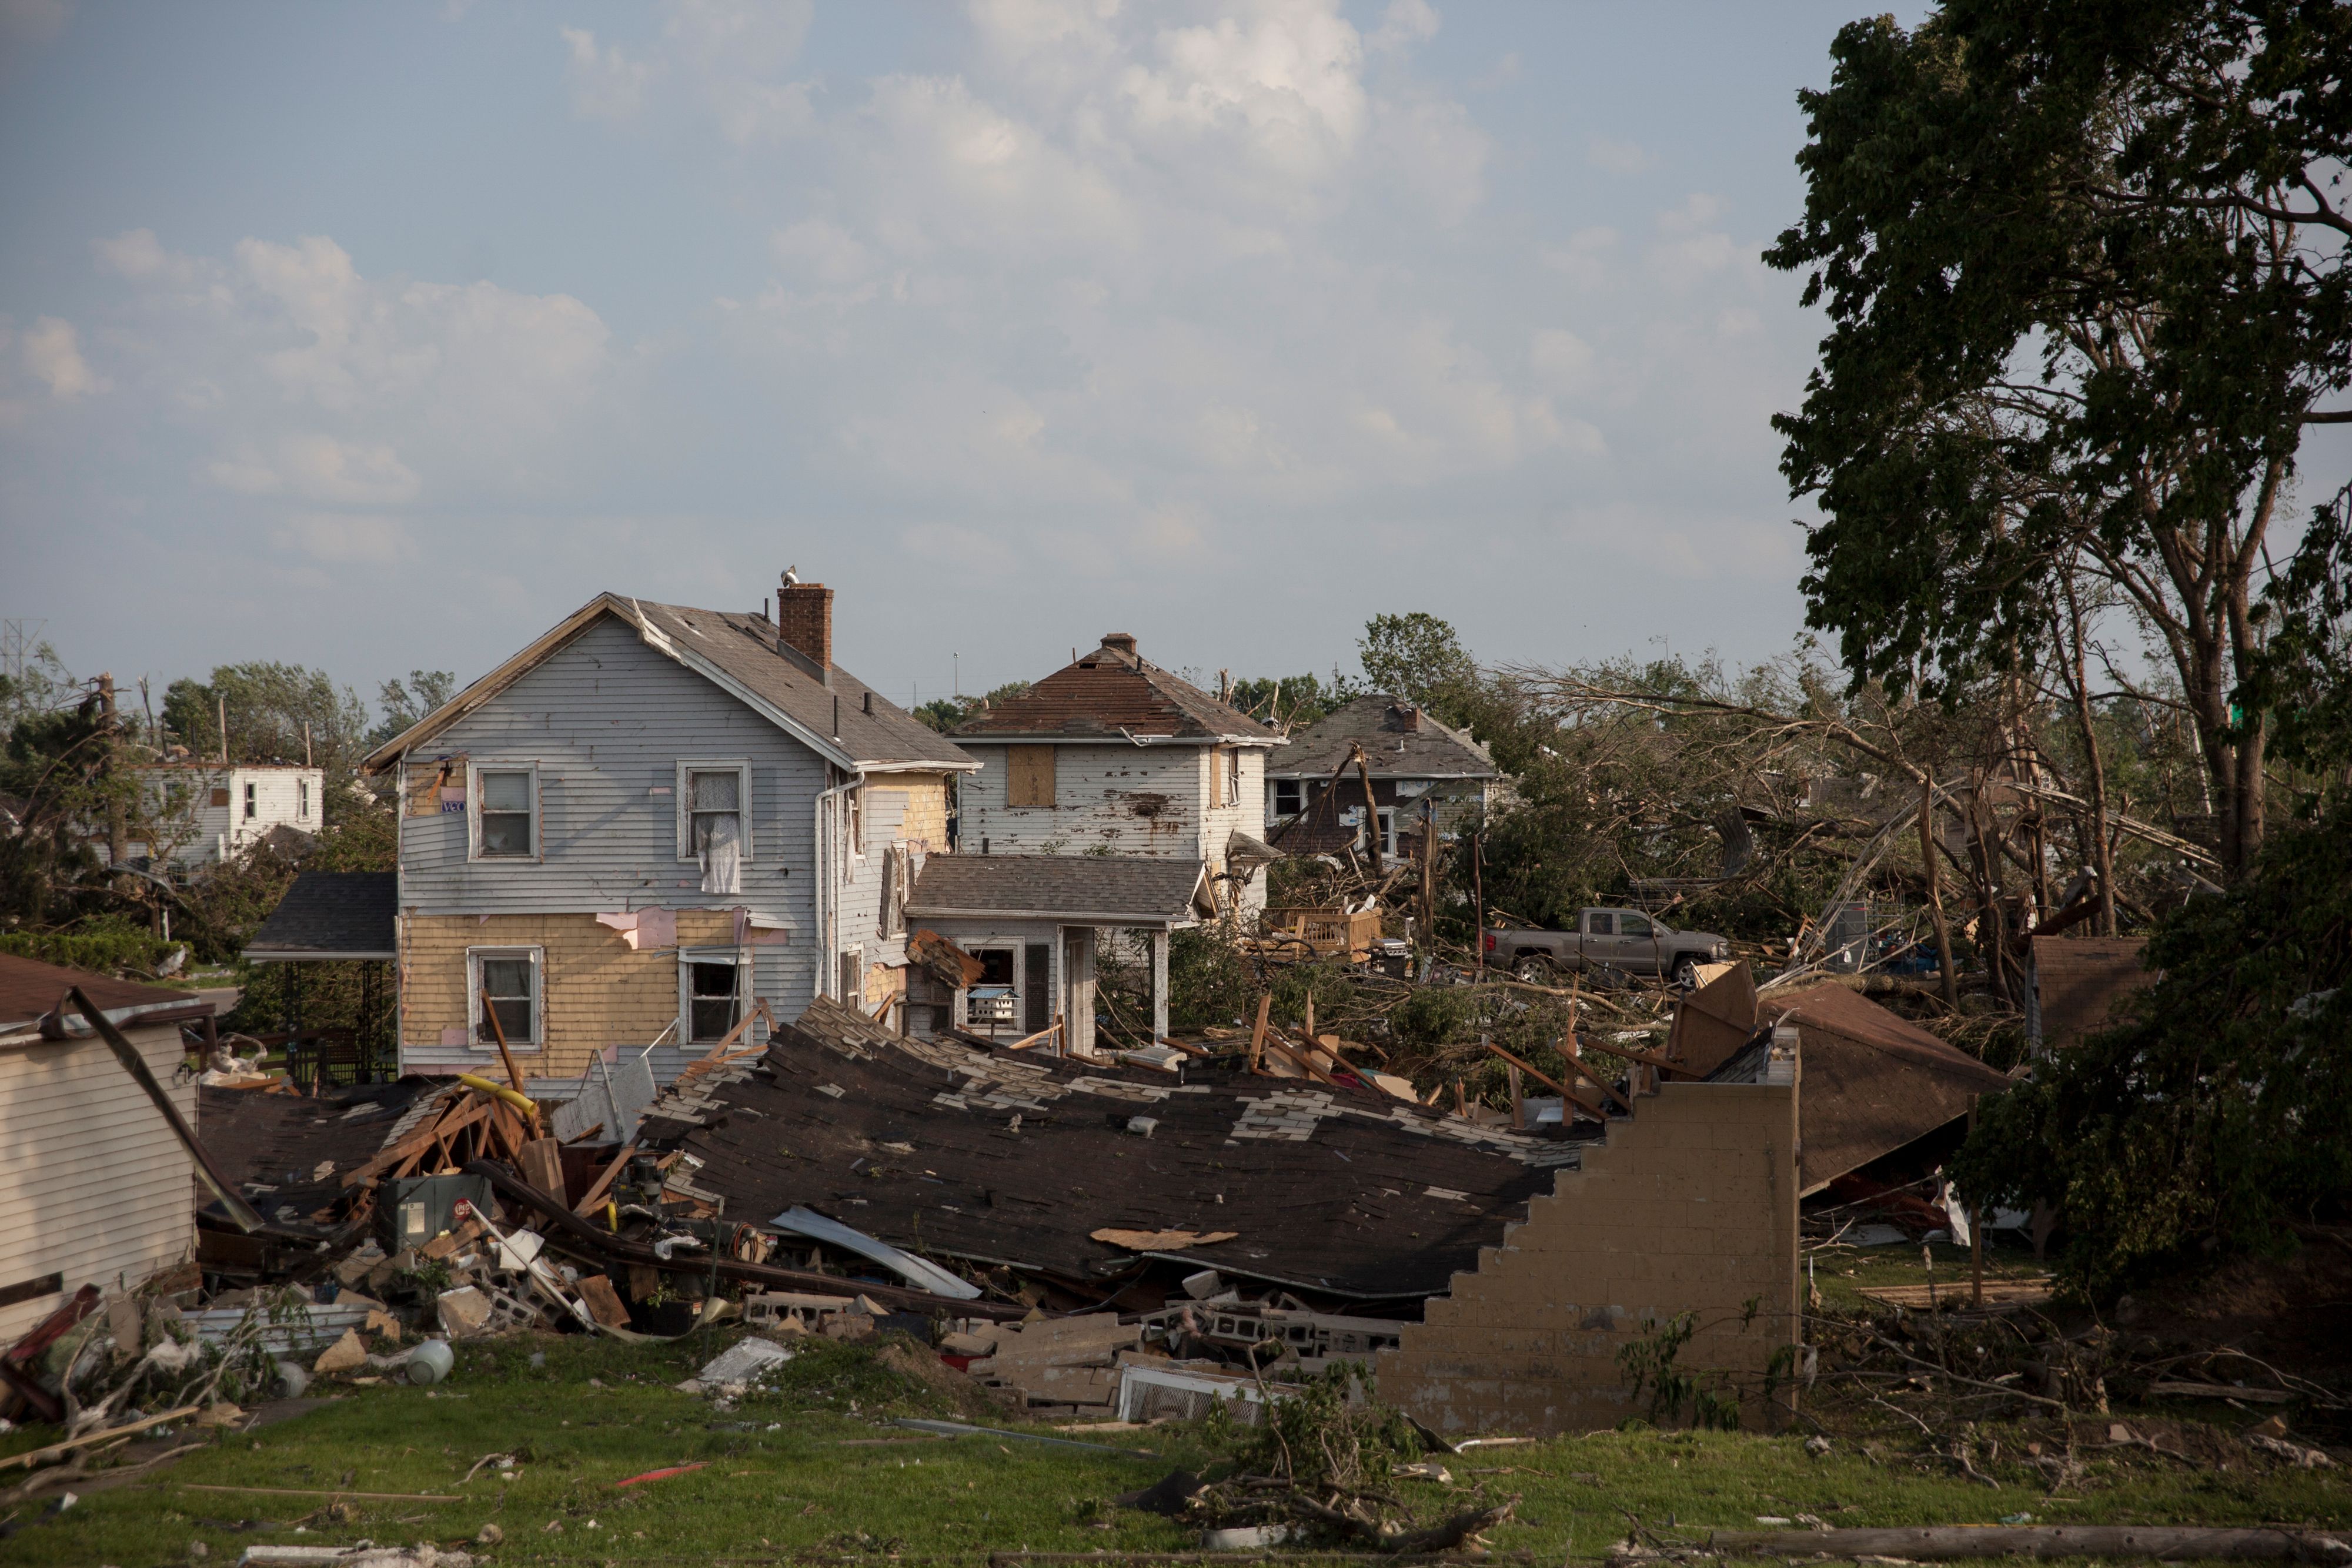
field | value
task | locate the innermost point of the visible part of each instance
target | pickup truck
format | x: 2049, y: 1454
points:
x: 1606, y: 942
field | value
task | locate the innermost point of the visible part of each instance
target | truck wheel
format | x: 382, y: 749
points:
x: 1533, y: 970
x: 1686, y: 972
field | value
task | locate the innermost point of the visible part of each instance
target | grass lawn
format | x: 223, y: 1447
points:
x: 812, y: 1471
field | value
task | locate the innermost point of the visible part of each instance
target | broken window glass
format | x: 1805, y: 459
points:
x: 713, y: 1001
x: 505, y: 984
x: 506, y: 812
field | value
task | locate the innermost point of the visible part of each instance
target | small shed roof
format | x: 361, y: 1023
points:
x: 1109, y: 890
x: 1400, y: 741
x: 30, y: 988
x: 329, y: 915
x: 1111, y: 690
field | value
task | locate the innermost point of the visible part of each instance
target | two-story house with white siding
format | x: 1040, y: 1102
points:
x: 1113, y: 754
x: 204, y: 814
x: 647, y: 820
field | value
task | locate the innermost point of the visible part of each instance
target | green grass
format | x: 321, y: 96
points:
x: 801, y: 1473
x: 1843, y: 1273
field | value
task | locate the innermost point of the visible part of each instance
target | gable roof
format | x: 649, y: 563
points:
x: 737, y: 652
x: 1400, y: 741
x: 1111, y: 691
x: 1108, y: 888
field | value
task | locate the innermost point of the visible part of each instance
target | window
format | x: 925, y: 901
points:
x: 898, y: 872
x: 857, y: 799
x: 1388, y: 831
x: 503, y: 815
x: 853, y: 970
x: 302, y: 799
x: 252, y: 806
x: 714, y: 817
x: 506, y: 986
x: 1220, y: 782
x: 1289, y: 796
x: 714, y: 994
x: 1029, y: 776
x: 1597, y: 922
x: 995, y: 965
x: 1633, y: 926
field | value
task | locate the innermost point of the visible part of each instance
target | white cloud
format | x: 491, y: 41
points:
x: 52, y: 351
x: 1612, y: 156
x: 1561, y: 358
x: 346, y: 536
x: 1405, y: 23
x: 1282, y: 90
x: 606, y: 83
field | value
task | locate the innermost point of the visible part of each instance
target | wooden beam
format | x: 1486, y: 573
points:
x: 1304, y: 1063
x: 1647, y: 1060
x: 605, y: 1179
x: 1548, y: 1082
x: 499, y: 1032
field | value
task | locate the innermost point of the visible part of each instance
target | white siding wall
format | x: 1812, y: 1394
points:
x: 607, y: 720
x: 222, y: 832
x: 92, y: 1183
x: 1138, y: 799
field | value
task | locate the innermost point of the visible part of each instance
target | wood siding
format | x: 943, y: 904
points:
x: 94, y: 1186
x: 605, y: 721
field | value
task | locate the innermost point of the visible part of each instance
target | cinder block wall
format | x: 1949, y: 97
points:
x: 1691, y: 1206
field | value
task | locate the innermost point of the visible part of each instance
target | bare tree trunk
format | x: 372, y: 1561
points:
x: 1934, y: 897
x: 2078, y: 678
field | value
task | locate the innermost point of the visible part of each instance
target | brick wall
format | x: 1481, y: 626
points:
x: 1690, y: 1206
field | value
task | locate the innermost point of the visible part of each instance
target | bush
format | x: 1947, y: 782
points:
x: 105, y: 945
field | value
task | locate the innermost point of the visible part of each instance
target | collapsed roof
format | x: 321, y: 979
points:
x: 998, y: 1159
x: 1109, y: 691
x: 1872, y: 1081
x: 1400, y: 741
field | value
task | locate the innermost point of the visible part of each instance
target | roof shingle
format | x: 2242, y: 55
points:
x: 1399, y: 742
x: 1111, y: 690
x: 1108, y: 888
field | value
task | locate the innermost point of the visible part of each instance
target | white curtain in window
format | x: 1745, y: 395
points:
x: 718, y: 831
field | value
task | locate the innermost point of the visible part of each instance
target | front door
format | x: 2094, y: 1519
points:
x: 1637, y: 944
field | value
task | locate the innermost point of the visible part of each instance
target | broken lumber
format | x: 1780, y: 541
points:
x: 58, y: 1450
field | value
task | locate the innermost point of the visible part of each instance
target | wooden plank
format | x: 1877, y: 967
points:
x: 1257, y: 1032
x: 55, y: 1451
x: 605, y: 1179
x: 1554, y: 1084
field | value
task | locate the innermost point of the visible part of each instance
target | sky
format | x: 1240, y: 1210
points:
x: 381, y: 338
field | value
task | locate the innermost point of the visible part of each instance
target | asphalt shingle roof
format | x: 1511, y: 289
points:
x: 1110, y: 690
x: 1108, y: 888
x: 1378, y: 724
x: 331, y: 914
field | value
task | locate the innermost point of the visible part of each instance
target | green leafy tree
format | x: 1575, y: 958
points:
x: 404, y: 704
x: 2085, y: 270
x: 1291, y: 701
x: 1416, y: 656
x: 277, y: 713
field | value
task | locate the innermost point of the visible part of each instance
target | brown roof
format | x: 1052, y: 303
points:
x: 28, y: 989
x: 2077, y: 981
x: 738, y: 648
x: 1110, y: 690
x: 1870, y: 1081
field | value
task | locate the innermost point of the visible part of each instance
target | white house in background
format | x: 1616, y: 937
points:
x: 207, y: 812
x: 1112, y: 755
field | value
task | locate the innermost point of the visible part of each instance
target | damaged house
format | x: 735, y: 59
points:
x: 1113, y: 754
x: 1418, y: 771
x: 642, y: 821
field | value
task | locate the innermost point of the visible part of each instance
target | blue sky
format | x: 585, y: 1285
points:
x: 381, y: 337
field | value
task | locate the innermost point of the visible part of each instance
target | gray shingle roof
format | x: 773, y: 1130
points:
x: 1105, y: 888
x: 1379, y: 724
x: 331, y: 914
x: 875, y: 732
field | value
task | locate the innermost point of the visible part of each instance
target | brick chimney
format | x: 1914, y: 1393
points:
x: 804, y: 622
x: 1120, y: 643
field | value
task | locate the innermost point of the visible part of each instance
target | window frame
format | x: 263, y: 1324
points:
x: 681, y: 792
x: 302, y: 799
x: 537, y: 957
x: 474, y: 852
x: 1600, y: 923
x: 1297, y: 789
x: 252, y: 802
x: 738, y: 956
x: 854, y: 813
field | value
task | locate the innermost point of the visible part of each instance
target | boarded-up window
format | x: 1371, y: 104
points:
x: 1224, y: 775
x: 220, y: 796
x: 1029, y: 776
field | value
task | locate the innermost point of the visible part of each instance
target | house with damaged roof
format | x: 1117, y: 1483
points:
x: 1416, y: 770
x: 645, y: 818
x: 1112, y: 755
